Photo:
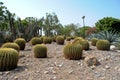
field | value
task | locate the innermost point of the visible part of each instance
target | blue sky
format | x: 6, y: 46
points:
x: 68, y: 11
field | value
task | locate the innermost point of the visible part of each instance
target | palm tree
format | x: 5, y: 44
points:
x: 83, y: 17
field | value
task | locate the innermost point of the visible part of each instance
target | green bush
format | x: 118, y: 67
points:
x: 73, y: 51
x: 94, y: 41
x: 103, y: 45
x: 36, y: 40
x: 47, y: 40
x: 8, y: 59
x: 40, y: 51
x: 21, y: 42
x: 60, y: 40
x: 11, y: 45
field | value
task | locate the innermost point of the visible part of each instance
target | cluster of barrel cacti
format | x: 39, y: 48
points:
x: 60, y: 40
x: 21, y: 42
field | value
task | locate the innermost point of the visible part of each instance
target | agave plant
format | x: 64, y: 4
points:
x: 111, y: 36
x: 117, y: 43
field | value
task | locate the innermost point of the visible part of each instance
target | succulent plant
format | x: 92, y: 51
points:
x: 78, y: 40
x: 60, y: 40
x: 85, y: 44
x: 11, y: 45
x: 73, y: 51
x: 21, y: 42
x: 36, y: 40
x: 40, y: 51
x: 68, y: 38
x: 47, y: 40
x: 94, y: 41
x: 54, y: 38
x: 8, y: 59
x: 103, y: 45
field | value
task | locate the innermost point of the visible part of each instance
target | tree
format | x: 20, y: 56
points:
x: 108, y: 23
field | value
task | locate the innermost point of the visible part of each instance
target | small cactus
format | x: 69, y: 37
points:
x: 60, y: 40
x: 8, y: 59
x: 68, y: 38
x: 54, y: 38
x: 40, y: 51
x: 85, y: 44
x: 36, y: 40
x: 94, y: 41
x: 47, y: 40
x: 11, y: 45
x: 78, y: 40
x: 103, y: 45
x: 21, y: 42
x: 73, y: 51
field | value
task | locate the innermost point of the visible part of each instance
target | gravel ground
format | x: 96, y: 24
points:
x: 56, y: 67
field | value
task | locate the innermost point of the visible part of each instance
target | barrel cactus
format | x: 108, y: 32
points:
x: 21, y: 42
x: 60, y: 40
x: 68, y: 38
x: 36, y: 40
x: 47, y: 40
x: 54, y: 38
x: 73, y: 51
x: 40, y: 51
x: 94, y: 41
x: 8, y: 59
x: 11, y: 45
x: 78, y: 40
x: 85, y: 44
x: 103, y: 45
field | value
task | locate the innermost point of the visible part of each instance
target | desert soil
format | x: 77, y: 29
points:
x: 56, y: 67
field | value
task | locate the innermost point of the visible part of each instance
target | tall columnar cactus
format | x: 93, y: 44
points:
x: 85, y: 44
x: 47, y: 40
x: 40, y: 51
x: 11, y: 45
x: 8, y: 59
x: 73, y: 51
x: 21, y: 42
x: 103, y: 45
x: 36, y: 40
x: 94, y: 41
x: 60, y: 40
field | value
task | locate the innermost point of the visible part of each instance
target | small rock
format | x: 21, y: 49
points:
x: 78, y: 63
x: 91, y: 60
x: 37, y: 71
x: 27, y: 55
x: 54, y: 77
x: 70, y: 72
x: 16, y: 78
x: 92, y: 67
x: 26, y: 69
x: 112, y: 47
x: 54, y: 72
x: 118, y: 69
x: 46, y: 72
x: 107, y: 67
x: 8, y: 72
x: 1, y: 73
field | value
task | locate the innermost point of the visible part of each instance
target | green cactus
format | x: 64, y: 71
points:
x: 40, y: 51
x: 8, y: 59
x: 21, y: 42
x: 36, y: 40
x: 85, y: 44
x: 94, y: 41
x: 78, y: 40
x: 103, y: 45
x: 68, y: 38
x: 73, y: 51
x: 47, y: 40
x: 54, y: 38
x: 11, y: 45
x: 60, y: 40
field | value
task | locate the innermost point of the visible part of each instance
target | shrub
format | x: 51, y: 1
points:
x: 8, y: 59
x: 11, y: 45
x: 94, y: 41
x: 21, y: 42
x: 47, y: 40
x: 60, y: 40
x: 73, y: 51
x: 40, y: 51
x: 36, y: 40
x: 103, y: 45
